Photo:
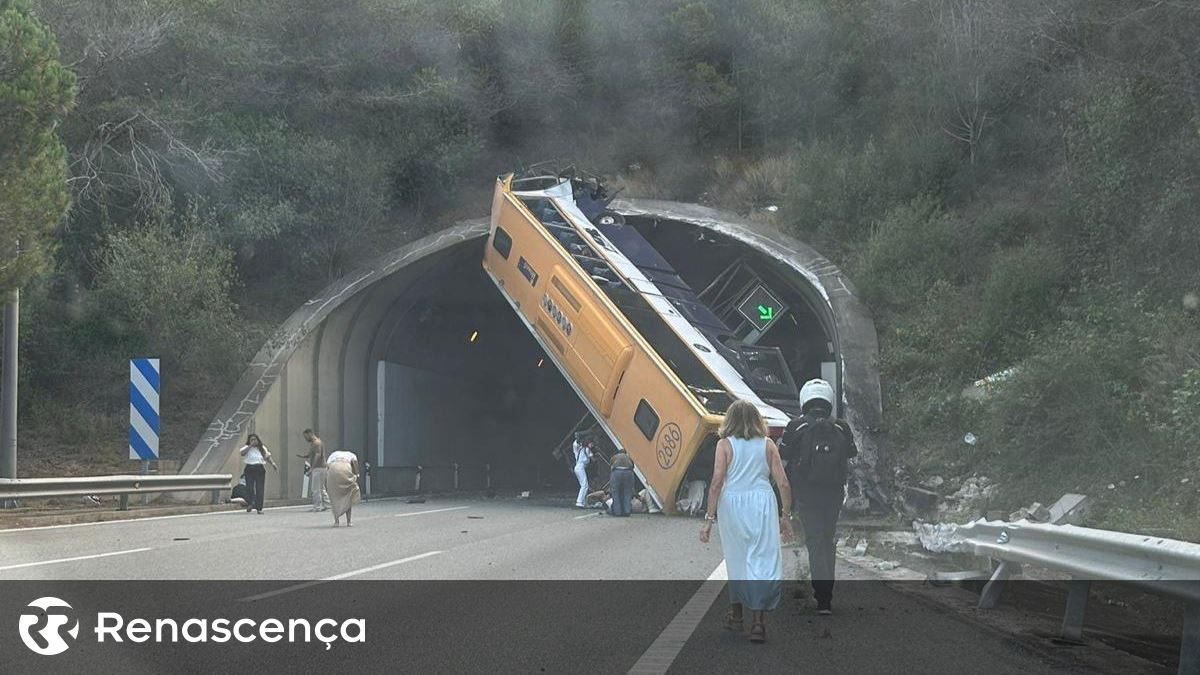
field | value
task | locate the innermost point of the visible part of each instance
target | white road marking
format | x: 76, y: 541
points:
x: 338, y: 577
x: 421, y: 513
x: 81, y: 557
x: 659, y: 657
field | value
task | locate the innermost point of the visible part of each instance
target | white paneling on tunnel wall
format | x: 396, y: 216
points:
x: 382, y: 362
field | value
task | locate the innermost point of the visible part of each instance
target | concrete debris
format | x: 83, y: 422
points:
x: 1070, y: 509
x: 1035, y: 513
x: 970, y: 499
x: 970, y: 438
x: 1111, y: 486
x: 886, y: 565
x: 525, y: 494
x: 933, y: 482
x: 842, y: 543
x: 861, y: 547
x: 920, y: 500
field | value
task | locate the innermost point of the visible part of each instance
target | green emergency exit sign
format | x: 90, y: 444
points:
x: 761, y: 308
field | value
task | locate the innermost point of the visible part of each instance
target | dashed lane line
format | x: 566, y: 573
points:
x: 665, y: 649
x: 421, y: 513
x: 79, y: 557
x: 338, y: 577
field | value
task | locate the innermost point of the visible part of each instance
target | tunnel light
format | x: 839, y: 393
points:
x: 474, y: 334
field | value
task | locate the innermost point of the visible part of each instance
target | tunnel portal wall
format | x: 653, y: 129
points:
x: 320, y: 368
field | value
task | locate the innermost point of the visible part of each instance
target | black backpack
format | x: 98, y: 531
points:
x: 817, y: 449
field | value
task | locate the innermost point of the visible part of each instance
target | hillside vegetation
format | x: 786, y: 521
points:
x: 1011, y: 185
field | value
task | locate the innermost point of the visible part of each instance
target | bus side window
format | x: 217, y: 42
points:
x: 502, y: 242
x: 646, y: 419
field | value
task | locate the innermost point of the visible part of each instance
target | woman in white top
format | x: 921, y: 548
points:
x: 583, y: 455
x: 257, y: 456
x: 341, y: 481
x: 750, y: 522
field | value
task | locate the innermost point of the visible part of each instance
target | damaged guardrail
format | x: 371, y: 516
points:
x: 83, y: 486
x: 1162, y: 566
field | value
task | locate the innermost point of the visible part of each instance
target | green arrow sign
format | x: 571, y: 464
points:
x: 761, y: 308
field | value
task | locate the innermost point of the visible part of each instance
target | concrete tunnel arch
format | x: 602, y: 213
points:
x: 403, y: 322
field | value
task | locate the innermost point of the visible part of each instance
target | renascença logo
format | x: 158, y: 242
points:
x: 46, y: 619
x: 42, y: 628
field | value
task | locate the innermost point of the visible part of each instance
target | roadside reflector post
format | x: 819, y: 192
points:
x: 417, y: 483
x: 488, y: 468
x: 456, y: 476
x: 1077, y: 598
x: 144, y: 420
x: 145, y: 471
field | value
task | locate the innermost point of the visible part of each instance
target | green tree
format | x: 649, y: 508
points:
x: 172, y: 284
x: 36, y: 91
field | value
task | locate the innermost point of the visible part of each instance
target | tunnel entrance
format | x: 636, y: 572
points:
x: 461, y: 381
x: 416, y: 360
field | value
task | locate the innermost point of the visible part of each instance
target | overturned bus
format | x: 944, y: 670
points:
x: 656, y: 367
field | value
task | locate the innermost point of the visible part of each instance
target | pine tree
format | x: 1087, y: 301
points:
x: 36, y: 91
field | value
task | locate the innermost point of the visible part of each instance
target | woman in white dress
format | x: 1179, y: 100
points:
x: 750, y: 522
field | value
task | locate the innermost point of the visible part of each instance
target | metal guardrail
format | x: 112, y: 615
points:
x: 1159, y: 565
x: 31, y: 488
x: 455, y: 468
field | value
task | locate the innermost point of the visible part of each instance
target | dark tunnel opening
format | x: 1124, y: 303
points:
x: 462, y: 381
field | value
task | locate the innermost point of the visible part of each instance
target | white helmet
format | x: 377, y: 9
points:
x: 816, y: 389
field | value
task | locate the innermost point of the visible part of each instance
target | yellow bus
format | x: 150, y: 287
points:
x: 651, y: 363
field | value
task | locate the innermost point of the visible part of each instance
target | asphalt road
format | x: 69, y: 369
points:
x: 463, y: 585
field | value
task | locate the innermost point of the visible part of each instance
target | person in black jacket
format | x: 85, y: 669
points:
x: 817, y: 448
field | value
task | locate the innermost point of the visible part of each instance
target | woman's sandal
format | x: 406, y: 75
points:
x: 734, y: 624
x: 758, y: 633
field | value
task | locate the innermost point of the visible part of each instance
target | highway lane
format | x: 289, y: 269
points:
x: 475, y: 538
x: 426, y: 577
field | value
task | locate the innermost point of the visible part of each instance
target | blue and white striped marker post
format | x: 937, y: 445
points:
x: 143, y: 409
x: 143, y: 413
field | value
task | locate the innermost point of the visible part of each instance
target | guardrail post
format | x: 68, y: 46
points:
x: 456, y: 476
x: 1077, y: 598
x: 990, y: 597
x: 216, y: 497
x: 124, y: 504
x: 417, y: 483
x: 488, y: 468
x: 1189, y: 649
